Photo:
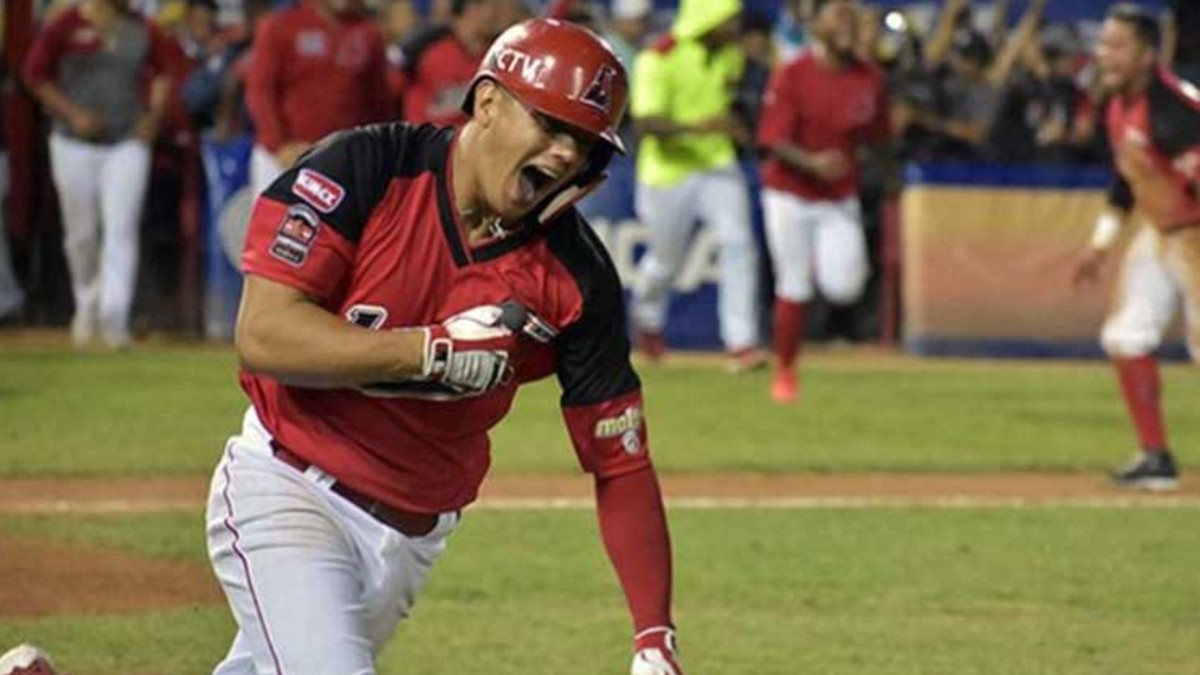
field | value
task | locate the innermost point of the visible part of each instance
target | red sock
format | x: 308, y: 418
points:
x: 1142, y: 390
x: 789, y: 331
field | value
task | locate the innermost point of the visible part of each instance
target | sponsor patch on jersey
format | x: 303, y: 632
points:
x: 625, y: 426
x: 296, y: 234
x: 317, y: 189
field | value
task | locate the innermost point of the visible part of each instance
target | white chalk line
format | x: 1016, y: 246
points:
x: 831, y: 502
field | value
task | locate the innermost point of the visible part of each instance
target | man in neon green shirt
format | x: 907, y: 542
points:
x: 683, y: 90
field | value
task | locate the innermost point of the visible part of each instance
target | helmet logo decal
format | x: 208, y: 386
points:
x: 519, y: 63
x: 599, y: 92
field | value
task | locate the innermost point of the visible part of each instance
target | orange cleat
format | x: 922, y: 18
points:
x: 784, y: 388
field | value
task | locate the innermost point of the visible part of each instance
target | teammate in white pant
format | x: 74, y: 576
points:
x: 86, y: 68
x: 1153, y: 124
x: 818, y: 110
x: 687, y: 171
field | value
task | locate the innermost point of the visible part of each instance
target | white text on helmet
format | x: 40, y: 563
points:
x: 518, y: 62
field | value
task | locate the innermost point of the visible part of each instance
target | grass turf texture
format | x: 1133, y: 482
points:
x: 169, y: 410
x: 1054, y: 591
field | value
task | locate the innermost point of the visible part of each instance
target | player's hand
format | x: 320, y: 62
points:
x: 470, y: 351
x: 655, y: 653
x: 828, y: 165
x: 85, y: 124
x: 1087, y: 270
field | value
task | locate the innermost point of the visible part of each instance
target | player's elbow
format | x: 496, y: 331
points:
x: 252, y: 344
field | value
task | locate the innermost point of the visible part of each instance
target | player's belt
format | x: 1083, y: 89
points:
x: 406, y: 522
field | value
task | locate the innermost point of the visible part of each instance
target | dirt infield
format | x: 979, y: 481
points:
x: 43, y: 578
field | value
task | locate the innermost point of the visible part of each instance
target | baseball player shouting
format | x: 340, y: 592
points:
x: 401, y: 283
x: 818, y: 110
x: 1153, y: 122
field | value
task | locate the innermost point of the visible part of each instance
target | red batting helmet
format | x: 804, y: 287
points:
x: 561, y: 70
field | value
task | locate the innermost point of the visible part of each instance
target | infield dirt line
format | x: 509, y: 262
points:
x: 683, y: 491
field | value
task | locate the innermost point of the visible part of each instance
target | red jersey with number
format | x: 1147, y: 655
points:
x: 819, y: 107
x: 365, y: 225
x: 1155, y: 141
x: 311, y: 75
x: 439, y: 77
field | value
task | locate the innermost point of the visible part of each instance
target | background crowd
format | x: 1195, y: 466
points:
x: 994, y: 82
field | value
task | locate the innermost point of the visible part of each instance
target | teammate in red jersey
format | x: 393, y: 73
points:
x: 315, y: 67
x: 443, y: 61
x: 402, y: 282
x: 1153, y: 121
x: 819, y: 110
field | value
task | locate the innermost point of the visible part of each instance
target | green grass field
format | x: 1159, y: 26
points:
x: 836, y: 591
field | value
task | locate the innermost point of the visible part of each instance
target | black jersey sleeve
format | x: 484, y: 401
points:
x: 304, y: 228
x: 601, y: 393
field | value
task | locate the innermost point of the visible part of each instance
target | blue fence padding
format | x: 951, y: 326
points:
x: 1008, y: 176
x: 1023, y: 349
x: 226, y: 170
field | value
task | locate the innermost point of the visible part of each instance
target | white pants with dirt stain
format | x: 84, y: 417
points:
x: 101, y: 189
x: 316, y: 584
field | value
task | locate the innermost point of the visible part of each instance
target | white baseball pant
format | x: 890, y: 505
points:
x: 820, y: 240
x: 317, y: 585
x: 264, y: 169
x: 1158, y: 271
x: 101, y: 189
x: 720, y: 200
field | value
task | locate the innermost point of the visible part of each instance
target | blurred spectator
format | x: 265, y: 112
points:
x: 443, y: 60
x: 683, y: 91
x: 197, y: 32
x: 398, y: 22
x: 86, y: 69
x: 212, y: 93
x: 973, y: 86
x: 315, y: 68
x: 12, y: 297
x: 791, y: 33
x: 756, y: 45
x: 819, y: 110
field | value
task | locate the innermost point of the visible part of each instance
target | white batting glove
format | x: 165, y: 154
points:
x: 470, y: 350
x: 655, y: 652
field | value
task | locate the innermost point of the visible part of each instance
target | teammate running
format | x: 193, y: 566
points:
x: 1153, y: 124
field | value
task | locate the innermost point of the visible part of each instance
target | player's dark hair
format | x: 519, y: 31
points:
x: 1142, y: 21
x: 817, y: 5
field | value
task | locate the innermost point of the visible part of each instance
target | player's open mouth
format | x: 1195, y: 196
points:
x: 534, y: 181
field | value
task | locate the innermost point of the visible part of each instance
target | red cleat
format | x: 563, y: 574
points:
x: 784, y: 388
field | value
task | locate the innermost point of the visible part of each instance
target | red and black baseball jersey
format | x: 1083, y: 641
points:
x: 311, y: 75
x: 817, y: 107
x: 1155, y: 140
x: 365, y: 225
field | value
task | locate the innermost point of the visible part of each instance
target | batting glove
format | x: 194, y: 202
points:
x: 655, y: 652
x: 470, y: 351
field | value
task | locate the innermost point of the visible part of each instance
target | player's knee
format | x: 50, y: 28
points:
x: 1124, y: 342
x: 843, y: 290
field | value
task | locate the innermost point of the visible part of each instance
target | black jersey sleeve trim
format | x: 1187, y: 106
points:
x: 344, y: 176
x: 593, y: 353
x: 1174, y: 115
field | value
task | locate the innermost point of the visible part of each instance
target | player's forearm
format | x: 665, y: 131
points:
x: 633, y: 525
x: 794, y: 156
x: 299, y: 343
